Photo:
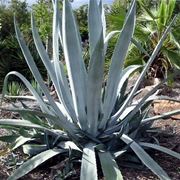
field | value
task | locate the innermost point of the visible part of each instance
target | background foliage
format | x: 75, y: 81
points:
x: 152, y: 19
x: 11, y: 57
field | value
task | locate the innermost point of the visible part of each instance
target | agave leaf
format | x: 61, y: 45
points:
x: 33, y: 149
x: 19, y: 142
x: 74, y: 62
x: 137, y: 83
x: 66, y: 124
x: 94, y: 24
x: 30, y: 115
x: 21, y: 97
x: 32, y: 65
x: 162, y: 149
x: 96, y: 68
x: 117, y: 62
x: 145, y: 158
x: 109, y: 166
x: 123, y: 78
x: 68, y: 145
x: 162, y: 116
x: 41, y: 50
x: 88, y: 165
x: 129, y: 113
x: 62, y: 83
x: 37, y: 96
x: 125, y: 75
x: 146, y: 99
x: 94, y: 86
x: 63, y: 92
x: 59, y: 18
x: 119, y: 153
x: 103, y: 17
x: 8, y: 123
x: 34, y: 162
x: 9, y: 139
x: 22, y: 123
x: 107, y: 38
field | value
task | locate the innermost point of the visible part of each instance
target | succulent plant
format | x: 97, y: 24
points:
x: 90, y: 116
x: 15, y: 89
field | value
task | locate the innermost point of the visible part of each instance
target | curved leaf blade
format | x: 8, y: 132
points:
x: 62, y: 83
x: 94, y: 86
x: 109, y: 166
x: 67, y: 125
x: 88, y: 166
x: 145, y: 158
x: 162, y: 149
x: 164, y: 115
x: 94, y: 24
x: 118, y: 57
x: 74, y: 62
x: 151, y: 59
x: 33, y: 163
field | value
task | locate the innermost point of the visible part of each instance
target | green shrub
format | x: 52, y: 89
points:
x: 12, y: 59
x: 90, y: 118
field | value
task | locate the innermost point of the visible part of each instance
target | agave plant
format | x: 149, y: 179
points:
x: 15, y: 89
x: 96, y: 119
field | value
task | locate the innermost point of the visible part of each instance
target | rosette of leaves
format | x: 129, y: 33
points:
x: 93, y: 118
x: 15, y: 89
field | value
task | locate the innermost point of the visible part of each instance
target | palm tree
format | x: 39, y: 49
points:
x: 152, y: 19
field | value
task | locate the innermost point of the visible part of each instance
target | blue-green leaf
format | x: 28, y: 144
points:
x: 118, y: 57
x: 88, y: 165
x: 29, y: 59
x: 33, y: 149
x: 94, y: 86
x: 33, y: 163
x: 74, y: 62
x: 145, y: 158
x: 164, y: 115
x: 137, y: 83
x: 62, y: 83
x: 162, y: 149
x: 94, y: 24
x: 109, y: 166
